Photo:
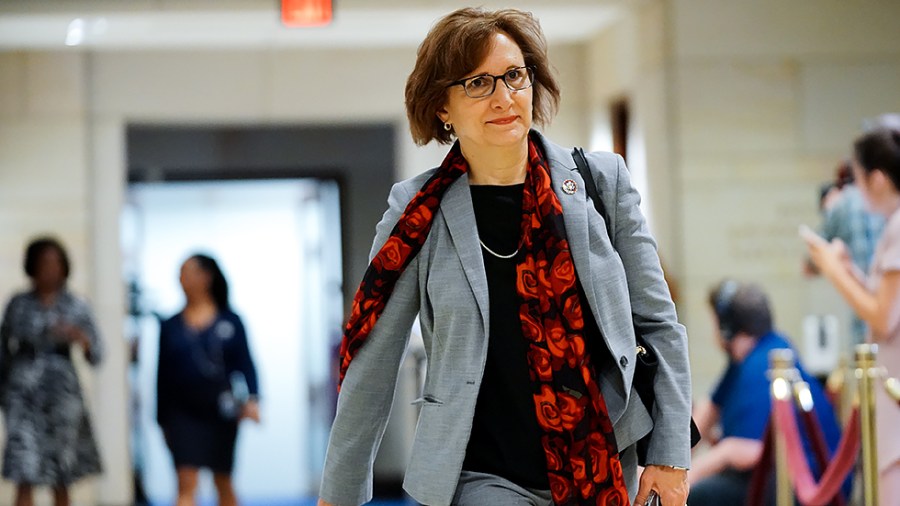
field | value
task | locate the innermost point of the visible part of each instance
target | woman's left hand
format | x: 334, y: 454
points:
x: 74, y: 334
x: 251, y: 411
x: 670, y: 484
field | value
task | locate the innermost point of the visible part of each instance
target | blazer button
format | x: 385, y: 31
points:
x: 623, y: 361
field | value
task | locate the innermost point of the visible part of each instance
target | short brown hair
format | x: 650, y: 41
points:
x: 455, y: 46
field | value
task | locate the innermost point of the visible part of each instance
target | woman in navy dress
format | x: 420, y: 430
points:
x: 204, y: 364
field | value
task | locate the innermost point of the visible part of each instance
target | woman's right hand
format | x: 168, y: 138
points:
x: 829, y: 257
x: 323, y: 503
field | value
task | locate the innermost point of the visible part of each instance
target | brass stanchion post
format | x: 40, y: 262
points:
x: 782, y: 373
x: 866, y: 374
x: 803, y: 396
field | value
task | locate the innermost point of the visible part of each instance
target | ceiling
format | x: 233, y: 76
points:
x: 199, y: 24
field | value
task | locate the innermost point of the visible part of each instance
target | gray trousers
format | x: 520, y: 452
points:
x: 479, y: 489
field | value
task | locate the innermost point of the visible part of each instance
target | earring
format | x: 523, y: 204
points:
x: 448, y: 127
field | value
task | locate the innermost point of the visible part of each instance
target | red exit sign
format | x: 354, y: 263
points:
x: 298, y: 13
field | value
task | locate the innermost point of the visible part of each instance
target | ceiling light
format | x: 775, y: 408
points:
x: 75, y: 33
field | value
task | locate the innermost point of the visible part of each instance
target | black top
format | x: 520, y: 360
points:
x: 506, y: 438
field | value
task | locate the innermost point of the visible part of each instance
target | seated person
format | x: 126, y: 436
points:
x: 741, y: 402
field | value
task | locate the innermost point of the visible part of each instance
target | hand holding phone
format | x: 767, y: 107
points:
x: 810, y: 236
x: 653, y: 499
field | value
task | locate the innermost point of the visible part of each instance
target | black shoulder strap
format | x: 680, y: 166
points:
x: 590, y: 186
x: 647, y: 361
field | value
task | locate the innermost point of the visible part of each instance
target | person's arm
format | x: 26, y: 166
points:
x: 163, y: 395
x: 5, y: 332
x: 654, y: 316
x: 736, y: 453
x: 84, y: 332
x: 706, y: 416
x: 367, y: 391
x: 873, y: 308
x: 243, y: 362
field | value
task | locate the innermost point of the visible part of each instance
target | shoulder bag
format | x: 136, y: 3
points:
x: 647, y: 361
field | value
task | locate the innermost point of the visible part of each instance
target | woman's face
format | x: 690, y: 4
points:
x: 497, y: 120
x: 49, y: 272
x: 194, y: 280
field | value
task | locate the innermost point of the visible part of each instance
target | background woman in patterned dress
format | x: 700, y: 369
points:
x: 48, y: 434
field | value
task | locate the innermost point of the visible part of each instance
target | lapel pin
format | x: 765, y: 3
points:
x: 569, y: 186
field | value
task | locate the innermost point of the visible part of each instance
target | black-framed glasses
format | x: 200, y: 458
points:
x: 483, y: 85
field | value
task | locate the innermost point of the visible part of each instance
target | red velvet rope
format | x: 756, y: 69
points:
x: 820, y: 448
x: 760, y: 477
x: 834, y: 397
x: 806, y: 489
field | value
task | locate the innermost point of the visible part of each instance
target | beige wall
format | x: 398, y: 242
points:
x: 739, y: 112
x: 767, y: 97
x: 628, y: 61
x: 44, y: 180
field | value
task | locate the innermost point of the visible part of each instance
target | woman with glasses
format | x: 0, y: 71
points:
x: 527, y: 306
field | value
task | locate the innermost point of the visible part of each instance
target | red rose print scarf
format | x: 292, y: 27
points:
x: 582, y: 459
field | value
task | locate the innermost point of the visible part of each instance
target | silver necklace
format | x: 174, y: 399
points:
x: 492, y: 252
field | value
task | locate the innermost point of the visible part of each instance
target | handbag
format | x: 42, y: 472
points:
x: 647, y: 361
x: 234, y: 396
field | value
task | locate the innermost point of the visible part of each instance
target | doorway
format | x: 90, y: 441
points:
x: 278, y: 242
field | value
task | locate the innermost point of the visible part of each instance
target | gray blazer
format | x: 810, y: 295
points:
x: 446, y: 286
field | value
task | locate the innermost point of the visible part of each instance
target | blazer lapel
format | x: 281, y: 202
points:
x: 456, y: 206
x: 575, y: 217
x: 576, y: 210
